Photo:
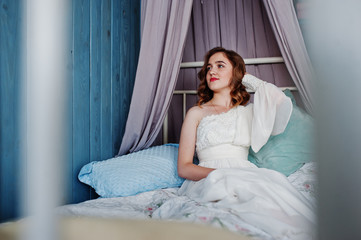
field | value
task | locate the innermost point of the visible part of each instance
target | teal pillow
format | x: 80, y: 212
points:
x: 290, y: 150
x: 145, y: 170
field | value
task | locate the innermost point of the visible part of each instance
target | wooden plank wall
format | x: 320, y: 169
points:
x: 10, y: 30
x: 104, y: 44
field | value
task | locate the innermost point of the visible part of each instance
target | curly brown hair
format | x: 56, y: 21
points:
x: 239, y: 94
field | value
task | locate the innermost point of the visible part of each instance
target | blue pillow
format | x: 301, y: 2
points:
x: 145, y: 170
x: 288, y: 151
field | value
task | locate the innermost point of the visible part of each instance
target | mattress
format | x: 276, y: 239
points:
x: 165, y: 204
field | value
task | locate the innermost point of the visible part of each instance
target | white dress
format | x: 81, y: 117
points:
x: 262, y: 197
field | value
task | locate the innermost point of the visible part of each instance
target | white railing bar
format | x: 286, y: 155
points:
x: 184, y: 105
x: 289, y: 88
x: 185, y: 92
x: 247, y: 61
x: 194, y: 92
x: 165, y: 129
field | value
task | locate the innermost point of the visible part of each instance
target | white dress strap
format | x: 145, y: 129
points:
x: 271, y: 110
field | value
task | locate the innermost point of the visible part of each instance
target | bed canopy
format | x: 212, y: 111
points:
x: 173, y: 31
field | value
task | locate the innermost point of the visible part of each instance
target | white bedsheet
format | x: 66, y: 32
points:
x: 166, y: 204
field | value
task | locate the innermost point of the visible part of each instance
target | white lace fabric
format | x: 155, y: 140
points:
x: 218, y: 144
x: 251, y: 82
x: 243, y: 126
x: 216, y: 129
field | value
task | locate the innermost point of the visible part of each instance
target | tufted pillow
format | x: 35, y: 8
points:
x: 145, y: 170
x: 288, y: 151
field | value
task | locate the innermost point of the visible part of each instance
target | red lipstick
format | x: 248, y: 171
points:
x: 213, y: 79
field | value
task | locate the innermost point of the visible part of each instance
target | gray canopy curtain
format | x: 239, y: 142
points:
x: 282, y: 16
x: 164, y: 29
x: 252, y: 28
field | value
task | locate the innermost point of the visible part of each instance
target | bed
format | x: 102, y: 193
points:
x: 161, y: 214
x: 140, y: 189
x: 138, y: 192
x: 143, y: 185
x: 165, y: 204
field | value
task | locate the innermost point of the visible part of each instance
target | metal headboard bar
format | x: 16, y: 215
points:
x: 247, y: 61
x: 194, y: 92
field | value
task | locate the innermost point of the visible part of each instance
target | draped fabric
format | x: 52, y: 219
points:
x: 240, y: 25
x: 164, y: 29
x: 257, y: 28
x: 283, y: 19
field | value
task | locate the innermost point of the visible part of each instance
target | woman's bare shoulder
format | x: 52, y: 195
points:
x: 196, y: 113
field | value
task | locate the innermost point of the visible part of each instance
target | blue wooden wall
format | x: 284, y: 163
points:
x: 104, y: 44
x: 10, y: 30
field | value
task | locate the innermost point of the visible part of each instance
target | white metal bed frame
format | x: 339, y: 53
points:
x: 248, y: 61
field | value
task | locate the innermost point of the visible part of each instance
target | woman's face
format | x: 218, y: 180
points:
x: 219, y: 72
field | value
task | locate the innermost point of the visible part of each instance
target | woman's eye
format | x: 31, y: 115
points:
x: 220, y: 66
x: 208, y: 68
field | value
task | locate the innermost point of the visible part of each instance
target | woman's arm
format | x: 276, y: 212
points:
x: 186, y: 168
x: 272, y: 110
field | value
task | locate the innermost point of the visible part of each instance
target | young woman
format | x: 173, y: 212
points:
x: 222, y: 128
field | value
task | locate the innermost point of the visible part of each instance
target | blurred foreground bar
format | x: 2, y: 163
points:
x: 44, y: 104
x: 335, y: 50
